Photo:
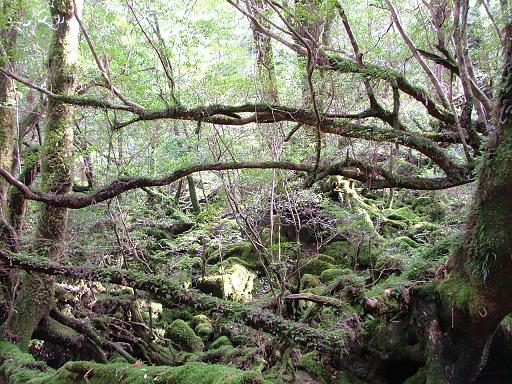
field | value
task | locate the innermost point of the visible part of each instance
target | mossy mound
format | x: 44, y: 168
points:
x: 342, y: 251
x: 402, y: 214
x: 170, y: 314
x: 326, y: 258
x: 367, y: 253
x: 200, y: 319
x: 17, y: 367
x: 315, y: 265
x: 233, y: 282
x: 222, y: 341
x: 245, y: 252
x: 433, y: 207
x: 182, y: 335
x: 204, y: 331
x: 333, y: 274
x: 309, y: 281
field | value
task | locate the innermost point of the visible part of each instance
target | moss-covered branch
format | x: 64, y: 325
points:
x: 168, y: 291
x: 356, y: 170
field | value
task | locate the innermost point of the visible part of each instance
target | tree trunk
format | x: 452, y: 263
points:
x: 481, y: 268
x: 265, y: 70
x: 193, y: 194
x: 12, y: 12
x: 36, y: 296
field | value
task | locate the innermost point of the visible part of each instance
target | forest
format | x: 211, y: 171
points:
x: 255, y: 191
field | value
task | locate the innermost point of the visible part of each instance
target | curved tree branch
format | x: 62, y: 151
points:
x: 374, y: 177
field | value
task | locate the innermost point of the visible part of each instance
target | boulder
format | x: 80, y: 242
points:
x: 184, y: 337
x: 233, y: 282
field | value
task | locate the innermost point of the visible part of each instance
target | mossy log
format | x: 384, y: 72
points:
x: 169, y: 292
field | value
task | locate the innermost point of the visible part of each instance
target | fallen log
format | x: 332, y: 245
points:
x: 169, y: 292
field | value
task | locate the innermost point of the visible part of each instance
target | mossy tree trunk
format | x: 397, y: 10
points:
x: 193, y: 194
x: 481, y: 268
x: 265, y: 69
x: 11, y: 13
x: 34, y: 300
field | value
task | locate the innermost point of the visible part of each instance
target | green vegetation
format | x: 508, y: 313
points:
x: 308, y: 191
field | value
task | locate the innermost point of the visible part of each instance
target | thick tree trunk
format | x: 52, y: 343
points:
x: 11, y: 11
x: 481, y: 269
x: 36, y: 296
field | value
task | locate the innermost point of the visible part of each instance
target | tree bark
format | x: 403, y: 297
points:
x: 34, y: 300
x: 12, y: 12
x: 481, y: 268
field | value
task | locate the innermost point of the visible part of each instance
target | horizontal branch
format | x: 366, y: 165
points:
x: 169, y: 292
x: 267, y: 113
x: 322, y: 300
x: 350, y: 168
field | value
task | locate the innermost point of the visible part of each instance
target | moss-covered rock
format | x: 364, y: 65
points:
x: 245, y: 251
x: 219, y: 342
x: 310, y: 281
x: 233, y: 282
x: 200, y: 319
x: 402, y: 214
x: 367, y: 253
x: 170, y: 314
x: 342, y: 251
x: 184, y: 337
x: 326, y: 258
x: 313, y: 265
x: 433, y: 207
x: 204, y: 331
x: 334, y: 273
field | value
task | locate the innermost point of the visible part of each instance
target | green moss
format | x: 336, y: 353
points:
x: 219, y: 342
x: 204, y: 331
x: 367, y: 253
x: 334, y: 273
x: 310, y: 281
x: 190, y: 373
x: 200, y: 319
x: 232, y: 282
x: 342, y: 251
x: 310, y: 363
x: 402, y: 214
x: 200, y: 373
x: 183, y: 336
x: 458, y: 291
x: 315, y: 266
x: 246, y: 252
x: 18, y: 367
x: 169, y: 315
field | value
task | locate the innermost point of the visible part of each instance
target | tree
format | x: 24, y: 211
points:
x: 34, y: 301
x: 449, y: 133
